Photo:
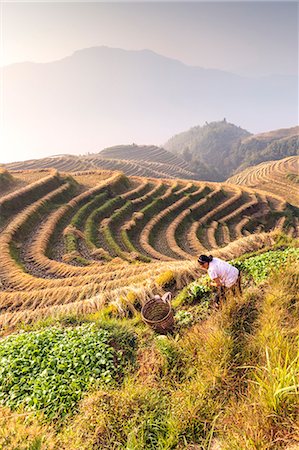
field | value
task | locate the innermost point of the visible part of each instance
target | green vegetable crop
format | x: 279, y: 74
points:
x: 260, y: 267
x: 50, y: 369
x: 183, y: 318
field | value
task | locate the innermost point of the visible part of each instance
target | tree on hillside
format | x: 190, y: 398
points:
x: 187, y: 155
x: 225, y: 148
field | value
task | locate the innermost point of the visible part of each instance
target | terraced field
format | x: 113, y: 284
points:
x: 144, y: 161
x: 69, y: 244
x: 144, y: 153
x: 278, y: 177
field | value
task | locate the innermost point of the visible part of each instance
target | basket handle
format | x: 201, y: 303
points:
x: 166, y: 297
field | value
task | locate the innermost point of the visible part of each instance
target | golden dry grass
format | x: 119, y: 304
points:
x: 39, y: 281
x: 273, y: 177
x: 225, y: 383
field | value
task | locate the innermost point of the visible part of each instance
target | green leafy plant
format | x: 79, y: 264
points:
x: 50, y: 369
x: 261, y: 266
x: 183, y: 318
x: 199, y: 290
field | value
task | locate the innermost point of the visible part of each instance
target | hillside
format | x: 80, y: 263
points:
x: 223, y: 380
x: 145, y: 161
x: 278, y: 177
x: 5, y: 180
x: 81, y: 254
x: 226, y: 149
x: 150, y: 153
x: 105, y: 95
x: 80, y: 238
x: 269, y: 146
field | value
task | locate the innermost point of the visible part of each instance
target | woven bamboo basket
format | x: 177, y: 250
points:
x: 158, y: 314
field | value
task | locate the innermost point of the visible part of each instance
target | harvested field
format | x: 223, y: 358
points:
x: 277, y: 177
x: 72, y: 242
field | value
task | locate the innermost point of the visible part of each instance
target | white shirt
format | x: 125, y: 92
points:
x: 227, y: 273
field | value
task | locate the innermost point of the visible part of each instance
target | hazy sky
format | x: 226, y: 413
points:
x: 248, y: 38
x: 254, y: 38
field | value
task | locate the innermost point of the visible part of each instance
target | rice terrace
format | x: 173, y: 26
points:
x: 149, y: 225
x: 70, y: 241
x: 81, y: 254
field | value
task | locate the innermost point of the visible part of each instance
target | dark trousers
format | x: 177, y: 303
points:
x: 222, y: 291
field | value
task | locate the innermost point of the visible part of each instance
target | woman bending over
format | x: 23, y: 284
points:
x: 224, y: 276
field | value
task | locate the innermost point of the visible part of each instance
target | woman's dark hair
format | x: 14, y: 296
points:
x: 205, y: 259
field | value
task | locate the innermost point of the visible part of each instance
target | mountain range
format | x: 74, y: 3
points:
x: 100, y: 97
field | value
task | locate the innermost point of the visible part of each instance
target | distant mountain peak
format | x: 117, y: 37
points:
x: 104, y: 49
x: 101, y: 95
